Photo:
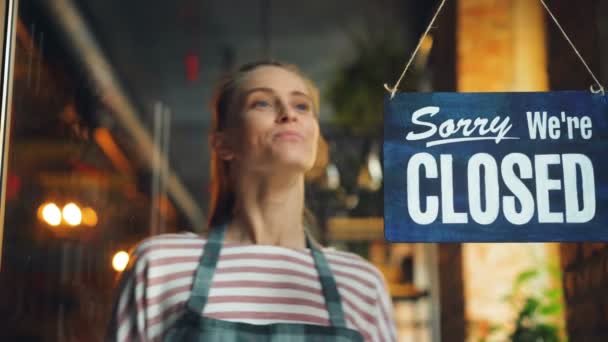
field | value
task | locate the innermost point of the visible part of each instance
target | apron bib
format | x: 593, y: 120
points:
x: 191, y: 326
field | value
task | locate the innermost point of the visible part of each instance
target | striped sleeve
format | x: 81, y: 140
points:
x: 152, y: 292
x: 127, y: 322
x: 385, y: 314
x: 123, y: 304
x: 376, y: 320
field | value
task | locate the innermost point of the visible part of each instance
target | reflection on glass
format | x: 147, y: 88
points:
x: 120, y: 261
x: 89, y: 217
x: 71, y: 214
x: 89, y: 173
x: 78, y: 194
x: 51, y: 214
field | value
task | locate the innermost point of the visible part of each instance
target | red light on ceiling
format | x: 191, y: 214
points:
x: 192, y: 67
x: 13, y: 185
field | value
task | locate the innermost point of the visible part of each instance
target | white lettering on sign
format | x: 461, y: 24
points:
x: 544, y: 184
x: 585, y: 211
x: 463, y: 129
x: 540, y: 126
x: 448, y: 214
x: 484, y: 202
x: 417, y: 161
x: 518, y: 188
x: 476, y: 163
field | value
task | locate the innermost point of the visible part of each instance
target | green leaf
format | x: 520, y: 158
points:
x: 354, y: 92
x: 524, y: 277
x: 554, y: 271
x: 552, y: 309
x: 529, y: 308
x: 553, y: 294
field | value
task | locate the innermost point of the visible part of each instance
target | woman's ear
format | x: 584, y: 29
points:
x: 219, y: 143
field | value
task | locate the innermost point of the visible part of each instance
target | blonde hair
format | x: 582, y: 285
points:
x: 222, y: 199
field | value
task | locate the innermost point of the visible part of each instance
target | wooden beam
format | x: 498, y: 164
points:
x: 355, y: 229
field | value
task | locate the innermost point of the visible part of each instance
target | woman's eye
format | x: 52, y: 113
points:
x: 302, y: 107
x: 262, y: 104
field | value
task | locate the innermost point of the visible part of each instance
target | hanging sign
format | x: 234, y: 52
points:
x: 466, y: 167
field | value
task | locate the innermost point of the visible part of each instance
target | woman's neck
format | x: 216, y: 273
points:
x: 268, y: 211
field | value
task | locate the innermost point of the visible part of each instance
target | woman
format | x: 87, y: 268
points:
x: 257, y: 275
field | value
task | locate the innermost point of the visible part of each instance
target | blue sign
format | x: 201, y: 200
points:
x: 496, y: 167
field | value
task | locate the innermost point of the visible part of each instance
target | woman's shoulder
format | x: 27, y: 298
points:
x: 354, y: 266
x: 163, y: 245
x: 169, y: 239
x: 348, y: 258
x: 362, y: 284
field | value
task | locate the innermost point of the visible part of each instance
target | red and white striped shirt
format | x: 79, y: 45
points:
x: 256, y: 284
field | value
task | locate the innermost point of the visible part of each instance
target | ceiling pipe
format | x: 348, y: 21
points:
x: 86, y: 48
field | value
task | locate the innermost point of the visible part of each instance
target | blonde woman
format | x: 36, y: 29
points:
x: 256, y: 276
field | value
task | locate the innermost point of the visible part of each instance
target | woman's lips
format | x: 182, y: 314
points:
x: 288, y: 135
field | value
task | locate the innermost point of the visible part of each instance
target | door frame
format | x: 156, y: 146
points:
x: 8, y: 24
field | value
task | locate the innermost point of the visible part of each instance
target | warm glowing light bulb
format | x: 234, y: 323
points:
x: 51, y: 214
x: 89, y: 217
x: 72, y: 214
x: 120, y: 261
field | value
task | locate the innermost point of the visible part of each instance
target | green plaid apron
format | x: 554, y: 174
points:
x: 192, y: 326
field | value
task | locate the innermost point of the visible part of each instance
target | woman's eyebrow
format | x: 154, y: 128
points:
x: 271, y: 91
x: 299, y: 93
x: 262, y: 89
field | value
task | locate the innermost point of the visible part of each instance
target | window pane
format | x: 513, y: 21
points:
x: 109, y: 139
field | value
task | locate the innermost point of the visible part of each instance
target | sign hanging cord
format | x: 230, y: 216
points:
x: 600, y: 88
x: 393, y: 89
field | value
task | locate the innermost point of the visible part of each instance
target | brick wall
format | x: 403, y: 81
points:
x: 485, y: 45
x: 500, y: 47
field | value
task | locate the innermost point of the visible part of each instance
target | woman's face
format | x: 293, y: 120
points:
x: 276, y: 125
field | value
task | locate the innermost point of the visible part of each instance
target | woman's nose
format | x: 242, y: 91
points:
x: 285, y: 114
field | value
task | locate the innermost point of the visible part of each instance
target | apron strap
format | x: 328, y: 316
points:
x: 206, y: 268
x: 208, y: 262
x: 328, y: 286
